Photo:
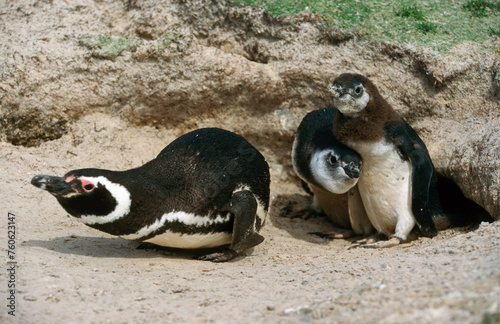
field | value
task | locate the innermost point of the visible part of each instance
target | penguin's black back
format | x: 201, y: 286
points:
x: 196, y: 174
x: 315, y: 130
x: 214, y: 161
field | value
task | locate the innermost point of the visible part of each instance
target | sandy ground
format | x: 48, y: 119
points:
x: 69, y: 273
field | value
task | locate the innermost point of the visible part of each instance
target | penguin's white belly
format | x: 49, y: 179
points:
x: 385, y: 188
x: 191, y: 241
x: 184, y: 240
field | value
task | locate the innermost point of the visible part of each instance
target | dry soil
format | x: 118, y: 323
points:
x: 69, y: 273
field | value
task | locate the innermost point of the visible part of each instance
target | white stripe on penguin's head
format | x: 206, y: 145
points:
x: 119, y: 193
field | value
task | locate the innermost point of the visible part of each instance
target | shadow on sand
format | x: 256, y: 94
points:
x: 111, y: 247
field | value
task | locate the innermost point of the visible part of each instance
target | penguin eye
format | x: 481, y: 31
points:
x: 87, y: 185
x: 358, y: 90
x: 332, y: 159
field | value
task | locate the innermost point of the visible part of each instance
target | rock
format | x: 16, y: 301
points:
x: 468, y: 153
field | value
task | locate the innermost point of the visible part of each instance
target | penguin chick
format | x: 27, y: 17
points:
x: 331, y: 171
x: 398, y: 185
x: 206, y: 189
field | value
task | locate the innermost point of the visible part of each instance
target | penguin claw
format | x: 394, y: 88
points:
x: 368, y: 240
x: 337, y: 234
x: 394, y: 241
x: 293, y: 211
x: 220, y: 256
x: 364, y: 242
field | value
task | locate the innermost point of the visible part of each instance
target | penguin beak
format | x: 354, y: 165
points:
x: 55, y: 185
x: 352, y: 172
x: 336, y: 91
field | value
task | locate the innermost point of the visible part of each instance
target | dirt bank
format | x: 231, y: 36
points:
x: 67, y: 104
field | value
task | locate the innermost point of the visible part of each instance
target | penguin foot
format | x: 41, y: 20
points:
x: 368, y: 241
x: 294, y: 211
x: 393, y: 241
x: 364, y: 241
x: 336, y: 234
x: 151, y: 246
x: 219, y: 256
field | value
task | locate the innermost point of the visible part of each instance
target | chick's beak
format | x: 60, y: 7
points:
x: 353, y: 174
x: 55, y: 185
x: 352, y: 171
x: 336, y: 91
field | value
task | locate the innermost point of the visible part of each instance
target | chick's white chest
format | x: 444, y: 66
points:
x: 385, y: 186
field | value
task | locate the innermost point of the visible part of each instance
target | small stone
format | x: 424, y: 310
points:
x: 30, y: 298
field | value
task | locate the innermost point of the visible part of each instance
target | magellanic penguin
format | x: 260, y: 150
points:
x: 331, y: 170
x: 398, y: 185
x: 206, y: 189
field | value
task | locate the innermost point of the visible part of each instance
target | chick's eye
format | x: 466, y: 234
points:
x: 358, y: 90
x: 332, y: 159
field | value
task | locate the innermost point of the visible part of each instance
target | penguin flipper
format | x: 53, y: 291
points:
x: 425, y: 198
x: 244, y: 207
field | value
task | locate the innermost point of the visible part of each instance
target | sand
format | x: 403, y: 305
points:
x: 67, y: 272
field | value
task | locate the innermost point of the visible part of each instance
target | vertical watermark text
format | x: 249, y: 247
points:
x: 11, y: 264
